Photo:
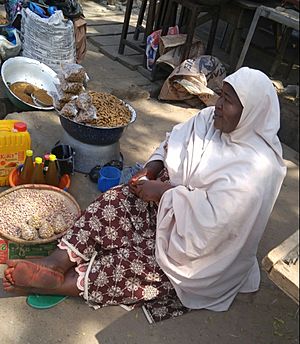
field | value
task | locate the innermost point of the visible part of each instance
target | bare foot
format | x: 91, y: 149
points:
x: 24, y: 273
x: 9, y: 288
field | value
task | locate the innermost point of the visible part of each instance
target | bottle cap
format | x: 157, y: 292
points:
x: 29, y: 152
x: 46, y: 156
x: 20, y: 126
x: 38, y: 160
x: 52, y: 157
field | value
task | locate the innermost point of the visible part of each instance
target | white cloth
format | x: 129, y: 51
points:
x: 210, y: 224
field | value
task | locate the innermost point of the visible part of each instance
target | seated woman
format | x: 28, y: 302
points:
x: 192, y: 229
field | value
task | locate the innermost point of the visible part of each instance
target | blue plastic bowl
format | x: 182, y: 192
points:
x: 109, y: 177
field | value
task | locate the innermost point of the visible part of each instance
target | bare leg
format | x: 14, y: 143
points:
x: 67, y: 288
x: 39, y: 273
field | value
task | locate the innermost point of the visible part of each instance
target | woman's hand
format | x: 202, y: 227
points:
x: 141, y: 173
x: 149, y: 190
x: 151, y: 171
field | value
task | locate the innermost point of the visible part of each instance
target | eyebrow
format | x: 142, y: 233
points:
x: 229, y: 95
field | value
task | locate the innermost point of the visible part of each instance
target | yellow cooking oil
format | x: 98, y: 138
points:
x: 14, y: 141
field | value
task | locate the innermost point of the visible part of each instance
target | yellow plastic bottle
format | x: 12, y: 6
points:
x: 14, y: 141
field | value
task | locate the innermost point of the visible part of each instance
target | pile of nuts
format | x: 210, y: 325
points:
x: 111, y: 111
x: 88, y: 107
x: 31, y: 214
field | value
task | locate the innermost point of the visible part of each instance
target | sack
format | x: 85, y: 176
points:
x: 202, y: 77
x: 80, y: 38
x: 48, y: 40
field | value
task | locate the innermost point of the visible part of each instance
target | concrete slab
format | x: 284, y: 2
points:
x: 115, y: 40
x: 107, y: 30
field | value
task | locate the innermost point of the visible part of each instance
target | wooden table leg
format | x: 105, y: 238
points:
x: 125, y: 26
x: 249, y: 38
x: 138, y: 28
x: 283, y: 45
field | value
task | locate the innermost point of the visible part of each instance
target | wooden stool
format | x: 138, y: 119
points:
x: 156, y: 13
x: 188, y: 21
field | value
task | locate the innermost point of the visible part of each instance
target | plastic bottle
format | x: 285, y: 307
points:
x: 38, y: 174
x: 46, y: 163
x: 27, y: 170
x: 52, y: 177
x: 14, y: 141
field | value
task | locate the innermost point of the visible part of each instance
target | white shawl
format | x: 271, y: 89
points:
x: 209, y: 226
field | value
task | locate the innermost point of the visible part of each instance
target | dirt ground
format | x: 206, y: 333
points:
x: 266, y: 317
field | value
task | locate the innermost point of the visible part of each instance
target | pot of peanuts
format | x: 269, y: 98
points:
x: 96, y: 118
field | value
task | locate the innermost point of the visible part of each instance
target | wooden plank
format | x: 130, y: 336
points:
x: 280, y: 251
x: 286, y: 277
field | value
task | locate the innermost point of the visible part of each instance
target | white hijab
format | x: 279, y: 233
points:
x: 210, y: 224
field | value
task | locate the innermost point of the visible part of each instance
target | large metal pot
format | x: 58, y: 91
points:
x: 101, y: 136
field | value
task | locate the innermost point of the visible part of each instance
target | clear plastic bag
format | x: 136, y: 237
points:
x: 71, y: 87
x: 86, y: 116
x: 73, y: 72
x: 61, y: 98
x: 69, y: 110
x: 84, y: 101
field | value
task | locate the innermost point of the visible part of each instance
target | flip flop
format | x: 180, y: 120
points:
x: 44, y: 301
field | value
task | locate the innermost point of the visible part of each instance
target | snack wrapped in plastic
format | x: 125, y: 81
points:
x: 69, y: 110
x: 84, y: 101
x: 71, y: 87
x: 73, y: 72
x: 61, y: 98
x: 87, y: 116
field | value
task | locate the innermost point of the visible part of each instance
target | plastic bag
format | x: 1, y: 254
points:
x: 73, y: 72
x: 86, y: 116
x: 71, y: 87
x: 9, y: 49
x: 61, y: 98
x: 69, y: 110
x: 84, y: 101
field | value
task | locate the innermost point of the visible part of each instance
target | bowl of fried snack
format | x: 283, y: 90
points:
x: 29, y: 83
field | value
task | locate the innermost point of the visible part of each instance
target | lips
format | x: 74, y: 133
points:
x: 217, y: 116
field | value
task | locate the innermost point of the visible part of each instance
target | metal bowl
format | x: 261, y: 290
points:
x: 28, y: 70
x: 100, y: 136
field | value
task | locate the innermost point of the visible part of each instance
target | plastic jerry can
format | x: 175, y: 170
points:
x: 14, y: 141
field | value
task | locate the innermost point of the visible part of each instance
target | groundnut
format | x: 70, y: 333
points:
x: 33, y: 206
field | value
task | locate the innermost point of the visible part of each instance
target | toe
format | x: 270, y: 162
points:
x: 8, y: 275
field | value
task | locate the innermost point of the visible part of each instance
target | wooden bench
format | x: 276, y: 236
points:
x: 282, y: 266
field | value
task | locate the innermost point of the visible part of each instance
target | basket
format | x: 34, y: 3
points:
x: 70, y: 200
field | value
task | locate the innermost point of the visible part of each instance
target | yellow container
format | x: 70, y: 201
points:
x: 13, y: 145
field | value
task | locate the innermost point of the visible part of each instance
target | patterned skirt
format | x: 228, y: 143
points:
x: 113, y: 244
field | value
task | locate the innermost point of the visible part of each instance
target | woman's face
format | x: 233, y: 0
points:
x: 228, y: 110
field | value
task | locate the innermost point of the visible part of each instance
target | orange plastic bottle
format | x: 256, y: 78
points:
x: 27, y: 170
x: 52, y: 177
x: 38, y: 174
